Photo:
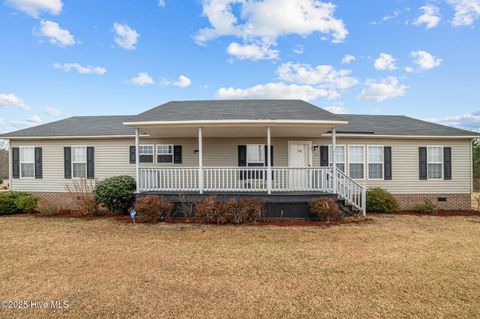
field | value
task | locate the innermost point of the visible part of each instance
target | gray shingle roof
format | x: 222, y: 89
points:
x: 358, y: 124
x: 397, y: 125
x: 236, y: 110
x: 78, y: 126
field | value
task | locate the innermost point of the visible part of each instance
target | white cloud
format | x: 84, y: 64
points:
x: 53, y: 111
x: 385, y: 62
x: 252, y: 51
x: 125, y: 37
x: 466, y: 11
x: 11, y: 100
x: 430, y: 17
x: 408, y: 69
x: 385, y: 89
x: 276, y: 91
x: 87, y: 69
x: 469, y: 121
x: 264, y: 21
x: 161, y: 3
x: 337, y: 109
x: 182, y: 82
x: 35, y: 119
x: 142, y: 79
x: 35, y: 7
x: 298, y: 49
x: 55, y: 34
x: 347, y: 59
x: 425, y: 60
x: 323, y: 76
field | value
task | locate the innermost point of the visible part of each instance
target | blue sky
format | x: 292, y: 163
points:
x: 62, y: 58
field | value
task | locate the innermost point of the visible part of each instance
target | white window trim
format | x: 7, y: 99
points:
x: 330, y: 155
x: 156, y: 154
x: 441, y: 162
x: 364, y: 160
x: 262, y: 150
x: 140, y: 154
x: 73, y: 162
x: 20, y: 161
x: 382, y: 162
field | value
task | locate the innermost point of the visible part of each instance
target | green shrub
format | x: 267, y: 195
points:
x: 426, y: 207
x: 116, y: 194
x: 152, y: 209
x: 381, y: 201
x: 1, y: 181
x: 27, y: 204
x: 17, y: 202
x: 324, y: 208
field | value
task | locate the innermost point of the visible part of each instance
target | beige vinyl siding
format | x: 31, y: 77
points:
x: 112, y: 158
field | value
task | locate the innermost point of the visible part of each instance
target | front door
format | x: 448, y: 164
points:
x: 299, y: 158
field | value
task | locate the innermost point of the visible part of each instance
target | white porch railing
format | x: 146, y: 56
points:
x: 254, y: 179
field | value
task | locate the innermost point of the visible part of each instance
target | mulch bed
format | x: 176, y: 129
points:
x: 125, y: 219
x: 444, y: 213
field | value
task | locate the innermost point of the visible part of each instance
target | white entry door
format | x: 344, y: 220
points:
x: 299, y: 158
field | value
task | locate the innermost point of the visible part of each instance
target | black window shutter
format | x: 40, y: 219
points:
x: 67, y: 162
x: 324, y: 155
x: 422, y: 161
x: 132, y: 155
x: 242, y: 155
x: 38, y: 163
x: 177, y: 154
x: 447, y: 163
x: 387, y: 161
x: 15, y: 162
x: 271, y: 155
x: 90, y: 162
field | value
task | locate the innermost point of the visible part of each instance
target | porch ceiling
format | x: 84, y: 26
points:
x: 237, y: 131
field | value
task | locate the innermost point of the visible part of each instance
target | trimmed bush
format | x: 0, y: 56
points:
x: 426, y: 207
x: 324, y: 208
x: 250, y: 210
x: 1, y: 181
x: 208, y: 211
x: 381, y: 201
x: 17, y: 202
x: 231, y: 211
x: 116, y: 194
x: 152, y: 209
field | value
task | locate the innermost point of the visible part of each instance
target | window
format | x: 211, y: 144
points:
x: 356, y: 160
x: 375, y: 162
x: 79, y: 161
x: 27, y: 161
x: 145, y: 153
x: 255, y: 155
x: 164, y: 153
x: 434, y: 162
x: 339, y: 158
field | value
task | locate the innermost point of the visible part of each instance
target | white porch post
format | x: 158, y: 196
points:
x: 200, y: 160
x: 137, y: 159
x: 334, y: 159
x: 269, y: 161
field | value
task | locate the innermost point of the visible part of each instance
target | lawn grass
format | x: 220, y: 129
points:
x: 395, y: 267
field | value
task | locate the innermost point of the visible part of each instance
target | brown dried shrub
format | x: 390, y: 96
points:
x: 153, y: 209
x: 207, y: 211
x: 231, y: 211
x: 250, y: 210
x: 325, y: 208
x: 80, y: 192
x: 48, y: 207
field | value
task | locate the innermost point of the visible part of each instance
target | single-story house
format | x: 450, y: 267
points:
x: 283, y: 150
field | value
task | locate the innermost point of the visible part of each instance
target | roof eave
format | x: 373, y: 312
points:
x: 235, y: 122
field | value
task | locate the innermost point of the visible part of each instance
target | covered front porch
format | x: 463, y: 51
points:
x: 233, y: 169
